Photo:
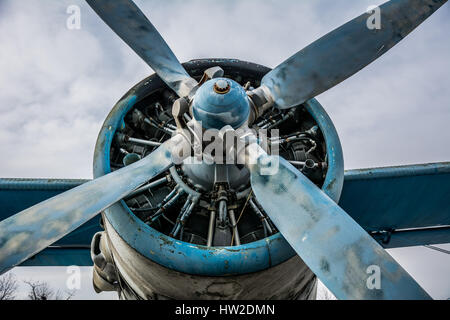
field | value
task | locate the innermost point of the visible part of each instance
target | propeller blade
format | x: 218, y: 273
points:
x: 32, y: 230
x: 344, y: 51
x: 130, y: 24
x: 342, y: 254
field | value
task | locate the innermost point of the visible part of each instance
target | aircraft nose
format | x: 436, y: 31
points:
x: 220, y: 102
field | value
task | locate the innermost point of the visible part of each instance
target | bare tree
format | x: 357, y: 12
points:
x: 8, y: 287
x: 42, y: 291
x: 39, y: 290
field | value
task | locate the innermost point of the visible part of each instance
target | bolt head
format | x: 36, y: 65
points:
x: 222, y: 86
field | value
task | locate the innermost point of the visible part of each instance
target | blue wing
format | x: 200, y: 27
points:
x: 19, y: 194
x: 399, y: 206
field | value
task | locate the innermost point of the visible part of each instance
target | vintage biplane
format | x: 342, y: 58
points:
x: 264, y: 226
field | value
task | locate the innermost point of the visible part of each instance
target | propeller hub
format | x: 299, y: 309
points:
x: 220, y: 102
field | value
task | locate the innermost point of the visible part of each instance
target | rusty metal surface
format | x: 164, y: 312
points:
x: 344, y: 51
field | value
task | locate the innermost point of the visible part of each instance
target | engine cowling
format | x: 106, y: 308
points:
x: 154, y: 260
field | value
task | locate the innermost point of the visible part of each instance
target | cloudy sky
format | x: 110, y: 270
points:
x: 57, y: 85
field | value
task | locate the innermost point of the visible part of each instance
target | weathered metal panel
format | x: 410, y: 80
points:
x: 55, y: 257
x: 289, y: 280
x: 19, y: 194
x: 415, y: 237
x: 405, y: 197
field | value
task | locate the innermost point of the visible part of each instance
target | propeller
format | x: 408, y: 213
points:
x: 344, y: 51
x: 130, y: 24
x: 329, y: 241
x: 32, y: 230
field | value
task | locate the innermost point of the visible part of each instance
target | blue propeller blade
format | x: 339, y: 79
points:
x: 344, y: 51
x: 32, y: 230
x: 130, y: 24
x: 344, y: 256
